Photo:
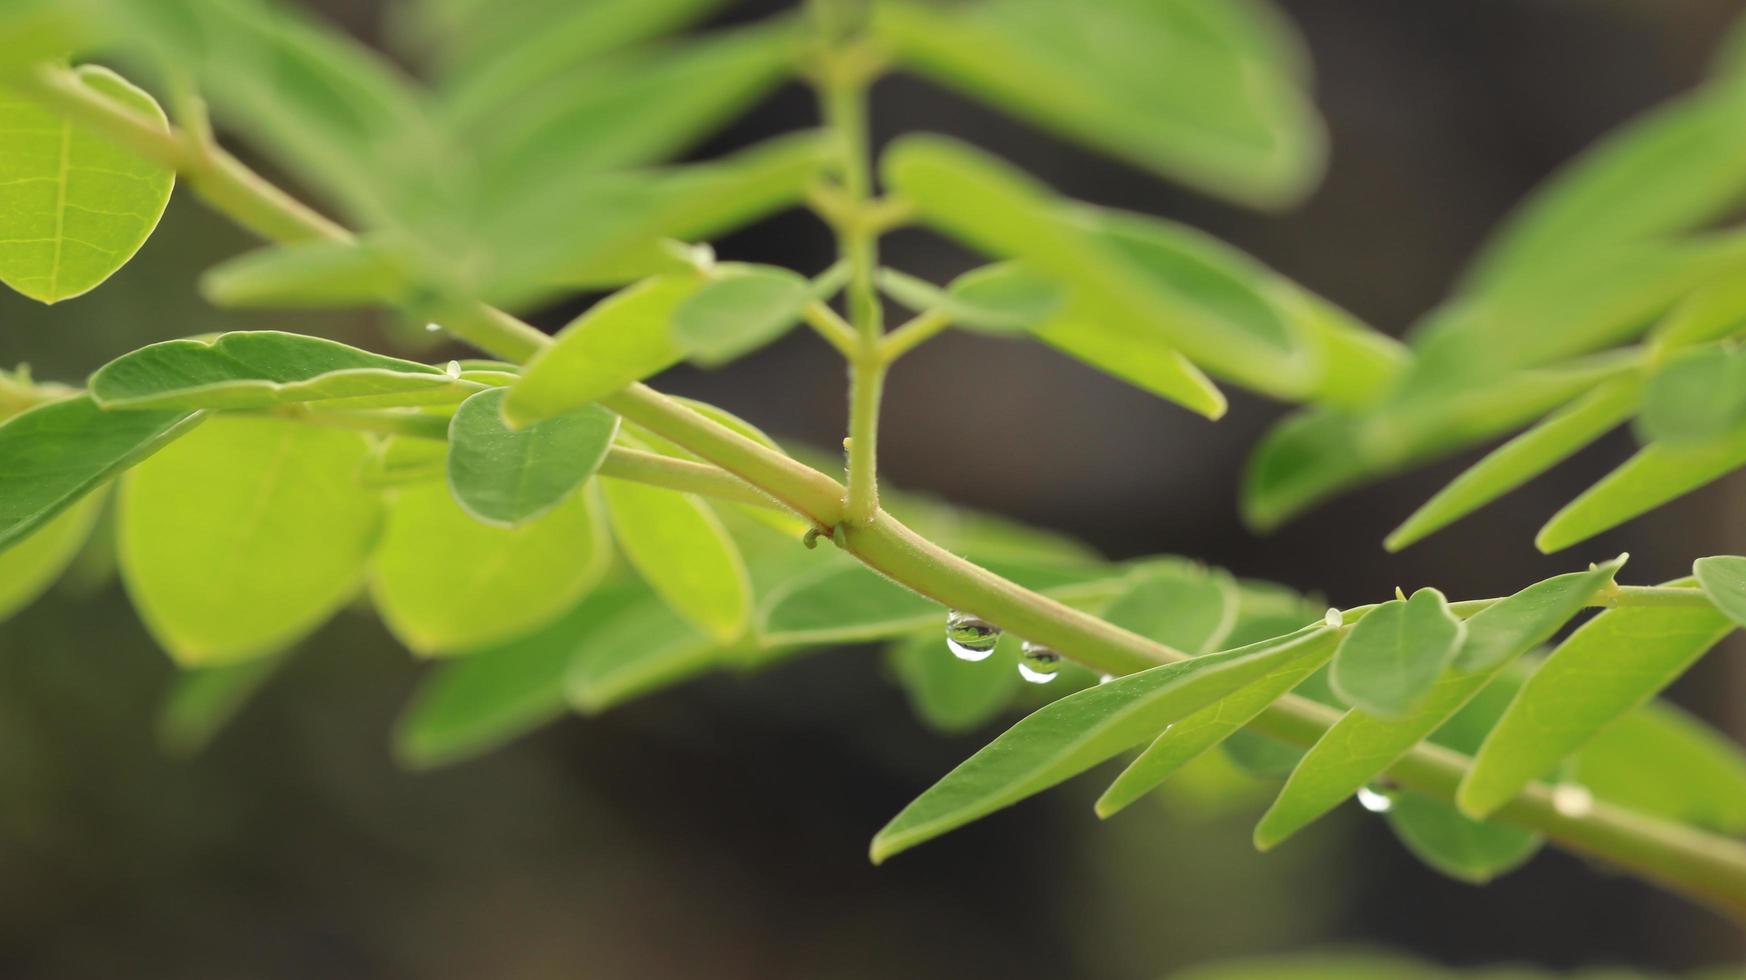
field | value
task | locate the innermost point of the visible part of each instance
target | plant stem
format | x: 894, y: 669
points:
x: 918, y: 330
x: 1691, y: 862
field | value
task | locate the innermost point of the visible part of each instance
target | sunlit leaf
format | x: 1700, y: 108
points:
x: 1613, y: 663
x: 35, y: 561
x: 1069, y: 736
x: 678, y: 545
x: 77, y: 205
x: 510, y: 476
x: 1655, y: 475
x: 245, y: 536
x: 446, y: 583
x: 1392, y: 656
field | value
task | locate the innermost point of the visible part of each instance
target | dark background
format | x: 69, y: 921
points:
x: 720, y: 829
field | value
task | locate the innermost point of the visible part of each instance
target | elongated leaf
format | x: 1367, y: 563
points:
x: 1716, y: 311
x: 953, y: 695
x: 1521, y: 459
x: 643, y: 649
x: 1069, y: 736
x: 477, y: 41
x: 1615, y: 662
x: 57, y: 453
x: 1361, y: 746
x: 260, y: 369
x: 77, y: 205
x: 1662, y: 762
x: 1185, y: 740
x: 1469, y: 850
x: 1002, y: 297
x: 309, y: 275
x: 1723, y: 579
x: 245, y: 536
x: 1392, y: 657
x: 1116, y: 273
x: 202, y: 700
x: 621, y: 339
x: 33, y: 564
x: 1697, y: 398
x: 742, y: 310
x: 1128, y: 78
x: 509, y: 476
x: 680, y: 548
x: 1655, y: 475
x: 1135, y: 355
x: 446, y: 583
x: 473, y: 704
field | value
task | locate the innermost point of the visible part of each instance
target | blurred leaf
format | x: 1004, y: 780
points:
x: 446, y: 583
x: 58, y: 452
x: 77, y: 205
x: 35, y: 561
x: 260, y: 369
x: 1676, y: 167
x: 739, y: 311
x: 406, y: 459
x: 309, y: 275
x: 1361, y: 746
x: 1723, y: 579
x: 1696, y: 398
x: 1661, y: 762
x: 245, y: 536
x: 202, y: 700
x: 952, y: 695
x: 1185, y: 740
x: 470, y: 705
x: 1392, y: 657
x: 1524, y: 457
x: 643, y: 649
x: 510, y: 476
x: 623, y: 338
x: 1470, y: 850
x: 1130, y: 78
x: 1069, y: 736
x: 1713, y: 312
x: 1132, y: 353
x: 1655, y: 475
x: 1181, y: 605
x: 1613, y: 663
x: 678, y: 545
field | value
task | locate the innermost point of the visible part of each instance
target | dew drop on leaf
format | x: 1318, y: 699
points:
x: 1375, y: 800
x: 1037, y: 663
x: 1572, y: 801
x: 970, y: 637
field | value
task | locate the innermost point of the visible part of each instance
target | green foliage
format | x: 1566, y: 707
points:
x: 1393, y: 656
x: 678, y: 545
x: 511, y: 476
x: 743, y: 309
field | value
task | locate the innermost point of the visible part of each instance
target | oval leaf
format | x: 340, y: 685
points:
x: 508, y: 476
x: 680, y: 548
x: 1393, y: 656
x: 742, y: 310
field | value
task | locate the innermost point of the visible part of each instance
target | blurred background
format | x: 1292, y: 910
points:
x: 720, y: 829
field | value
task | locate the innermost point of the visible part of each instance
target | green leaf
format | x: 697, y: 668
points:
x: 645, y: 649
x: 680, y: 548
x: 1181, y: 605
x: 952, y: 695
x: 35, y: 561
x: 1469, y: 850
x: 478, y: 42
x: 58, y: 452
x: 1069, y: 736
x: 309, y: 275
x: 744, y: 308
x: 1655, y: 475
x: 1613, y: 663
x: 1524, y: 457
x: 1117, y: 270
x: 242, y: 538
x: 77, y: 205
x: 1723, y: 579
x: 202, y: 700
x: 263, y: 368
x: 470, y: 705
x: 1000, y: 299
x: 1696, y: 398
x: 1124, y: 350
x: 1185, y: 740
x: 1130, y: 78
x: 446, y: 583
x: 510, y: 476
x: 1360, y: 746
x: 1392, y: 657
x: 623, y: 338
x: 1661, y: 762
x: 1716, y: 311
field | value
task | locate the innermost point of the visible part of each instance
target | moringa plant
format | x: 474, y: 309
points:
x: 561, y: 536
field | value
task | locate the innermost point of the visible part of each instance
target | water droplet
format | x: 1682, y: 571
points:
x: 433, y: 328
x: 1105, y: 678
x: 452, y: 369
x: 970, y: 637
x: 1375, y: 800
x: 1571, y: 800
x: 1332, y: 618
x: 1037, y: 663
